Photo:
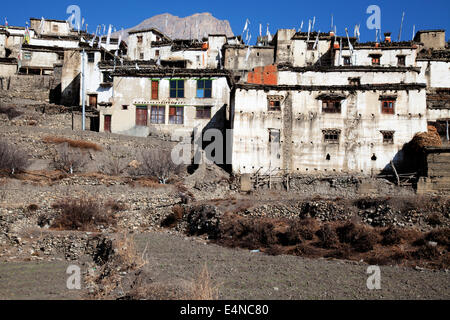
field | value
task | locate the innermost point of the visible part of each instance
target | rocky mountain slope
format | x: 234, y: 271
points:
x: 196, y: 26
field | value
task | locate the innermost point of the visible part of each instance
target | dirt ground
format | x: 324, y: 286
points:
x: 239, y: 274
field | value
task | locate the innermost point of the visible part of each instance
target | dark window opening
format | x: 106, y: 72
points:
x: 55, y: 28
x: 177, y: 88
x: 107, y: 78
x: 388, y: 106
x: 158, y: 115
x: 176, y: 115
x: 374, y: 157
x: 347, y: 61
x: 310, y: 46
x: 141, y: 56
x: 203, y: 112
x: 91, y: 57
x: 204, y: 88
x: 139, y: 39
x: 388, y: 137
x: 401, y: 61
x: 157, y: 53
x: 60, y: 55
x: 331, y: 106
x: 124, y: 107
x: 328, y: 157
x: 331, y: 136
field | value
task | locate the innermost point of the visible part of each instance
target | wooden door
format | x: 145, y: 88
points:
x: 93, y: 100
x: 141, y: 116
x: 107, y: 124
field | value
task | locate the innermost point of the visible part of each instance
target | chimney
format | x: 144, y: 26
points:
x: 332, y: 33
x: 387, y: 37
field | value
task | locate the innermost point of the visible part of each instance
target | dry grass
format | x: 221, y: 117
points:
x: 78, y: 144
x: 203, y: 288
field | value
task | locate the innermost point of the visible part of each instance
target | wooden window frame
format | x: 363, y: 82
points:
x: 91, y: 57
x: 158, y: 115
x: 275, y: 136
x: 203, y: 92
x: 155, y: 91
x: 388, y: 137
x: 175, y: 116
x: 177, y: 91
x: 386, y: 107
x: 331, y: 106
x: 376, y: 60
x: 347, y: 61
x: 142, y: 108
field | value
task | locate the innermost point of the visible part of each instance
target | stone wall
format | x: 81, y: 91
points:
x: 34, y: 87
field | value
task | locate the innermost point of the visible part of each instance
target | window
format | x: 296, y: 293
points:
x: 376, y: 60
x: 139, y: 39
x: 203, y: 112
x: 331, y: 106
x: 401, y: 61
x: 331, y: 136
x: 124, y: 107
x: 388, y: 106
x: 91, y: 57
x: 274, y: 105
x: 347, y: 61
x: 60, y: 55
x: 155, y: 89
x: 158, y: 38
x: 354, y: 81
x: 141, y: 56
x: 177, y: 88
x: 388, y: 137
x: 310, y: 46
x: 158, y: 115
x: 107, y: 78
x: 176, y: 115
x: 157, y: 53
x: 55, y: 28
x: 274, y: 136
x: 204, y: 88
x: 27, y: 56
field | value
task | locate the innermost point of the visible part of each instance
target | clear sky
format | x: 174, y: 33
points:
x: 432, y: 14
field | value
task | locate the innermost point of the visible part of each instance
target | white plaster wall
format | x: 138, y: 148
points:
x: 94, y: 77
x: 135, y: 48
x: 388, y: 56
x: 360, y: 123
x: 341, y: 78
x: 302, y: 57
x: 69, y: 44
x: 435, y: 73
x: 40, y: 59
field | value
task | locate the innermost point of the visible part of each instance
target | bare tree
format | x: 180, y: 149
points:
x: 159, y: 164
x: 69, y: 160
x: 12, y: 158
x: 114, y: 166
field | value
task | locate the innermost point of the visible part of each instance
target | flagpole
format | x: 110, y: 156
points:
x: 83, y: 89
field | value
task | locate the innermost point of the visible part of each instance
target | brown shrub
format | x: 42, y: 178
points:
x: 81, y: 215
x: 441, y: 236
x: 361, y: 239
x: 115, y: 206
x: 434, y: 219
x: 305, y: 250
x: 78, y: 144
x: 327, y: 237
x: 426, y: 252
x: 391, y: 236
x: 158, y: 163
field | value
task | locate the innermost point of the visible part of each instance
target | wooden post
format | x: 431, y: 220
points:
x: 395, y: 172
x: 270, y: 180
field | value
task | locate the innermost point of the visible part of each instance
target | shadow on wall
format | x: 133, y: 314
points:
x: 71, y: 94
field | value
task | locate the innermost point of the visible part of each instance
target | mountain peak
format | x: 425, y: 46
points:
x: 195, y: 26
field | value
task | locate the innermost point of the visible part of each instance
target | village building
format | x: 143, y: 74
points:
x: 167, y: 101
x: 311, y: 113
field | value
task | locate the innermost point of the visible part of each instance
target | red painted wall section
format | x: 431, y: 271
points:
x: 264, y: 75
